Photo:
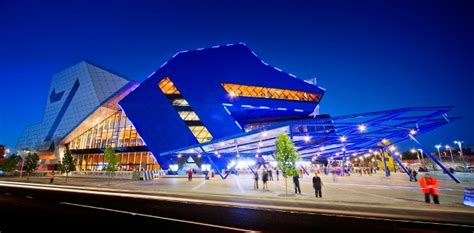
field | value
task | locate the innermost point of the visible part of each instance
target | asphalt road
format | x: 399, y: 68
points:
x: 23, y: 209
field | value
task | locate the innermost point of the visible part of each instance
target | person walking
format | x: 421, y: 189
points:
x: 270, y: 175
x: 410, y: 173
x: 429, y: 186
x: 317, y: 184
x: 51, y: 176
x: 190, y: 175
x: 296, y: 181
x: 413, y: 174
x: 278, y: 173
x: 265, y: 179
x: 255, y: 177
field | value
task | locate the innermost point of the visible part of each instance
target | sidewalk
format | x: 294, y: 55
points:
x: 369, y: 196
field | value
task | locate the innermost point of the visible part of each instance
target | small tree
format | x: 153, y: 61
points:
x: 111, y: 159
x: 68, y: 164
x: 31, y: 163
x: 10, y: 163
x: 286, y: 157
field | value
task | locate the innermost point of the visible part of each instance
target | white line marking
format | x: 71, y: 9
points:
x: 29, y: 197
x: 7, y: 194
x: 157, y: 217
x: 199, y: 185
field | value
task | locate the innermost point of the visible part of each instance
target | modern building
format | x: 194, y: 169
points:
x: 82, y: 114
x: 209, y: 107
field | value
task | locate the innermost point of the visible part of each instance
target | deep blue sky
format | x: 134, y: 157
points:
x: 368, y: 55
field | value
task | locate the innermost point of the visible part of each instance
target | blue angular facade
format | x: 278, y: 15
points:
x: 199, y: 75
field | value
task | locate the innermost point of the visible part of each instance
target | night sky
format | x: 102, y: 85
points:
x: 368, y: 55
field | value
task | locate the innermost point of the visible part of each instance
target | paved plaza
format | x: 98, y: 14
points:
x: 375, y: 189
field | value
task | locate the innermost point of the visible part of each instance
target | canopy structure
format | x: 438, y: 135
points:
x: 324, y: 138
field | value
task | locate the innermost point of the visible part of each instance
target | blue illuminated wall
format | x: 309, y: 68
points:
x: 198, y: 75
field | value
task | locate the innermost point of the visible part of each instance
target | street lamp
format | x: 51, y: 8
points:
x: 451, y: 152
x: 413, y: 151
x: 343, y: 139
x: 422, y: 156
x: 306, y: 138
x: 439, y: 154
x: 460, y: 149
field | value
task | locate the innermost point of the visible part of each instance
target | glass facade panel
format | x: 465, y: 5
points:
x: 109, y: 132
x: 270, y: 93
x: 188, y: 116
x: 180, y: 102
x: 115, y: 131
x: 128, y: 161
x: 167, y: 86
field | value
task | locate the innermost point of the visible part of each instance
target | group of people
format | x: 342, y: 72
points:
x: 317, y: 185
x: 413, y: 173
x: 267, y: 175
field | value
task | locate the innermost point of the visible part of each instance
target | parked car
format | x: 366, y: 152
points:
x: 2, y: 173
x: 470, y: 168
x: 465, y: 169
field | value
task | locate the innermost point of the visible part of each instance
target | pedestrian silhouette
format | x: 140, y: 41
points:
x: 255, y: 184
x: 190, y: 175
x: 317, y: 185
x: 265, y: 179
x: 51, y: 176
x: 296, y: 181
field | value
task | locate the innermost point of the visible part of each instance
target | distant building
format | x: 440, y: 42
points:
x: 2, y: 151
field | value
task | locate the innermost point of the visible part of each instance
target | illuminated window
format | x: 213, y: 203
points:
x: 179, y: 102
x: 190, y: 117
x: 270, y: 93
x: 116, y: 131
x: 201, y: 133
x: 167, y: 87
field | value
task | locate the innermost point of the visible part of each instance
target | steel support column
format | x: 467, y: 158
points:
x: 343, y: 163
x: 253, y: 171
x: 304, y: 170
x: 399, y: 163
x: 223, y: 176
x: 434, y: 159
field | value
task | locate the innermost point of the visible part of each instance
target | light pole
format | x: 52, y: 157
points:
x: 422, y: 156
x: 451, y: 153
x: 460, y: 149
x: 413, y: 151
x: 439, y: 154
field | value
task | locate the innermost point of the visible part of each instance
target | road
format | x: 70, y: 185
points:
x: 25, y: 208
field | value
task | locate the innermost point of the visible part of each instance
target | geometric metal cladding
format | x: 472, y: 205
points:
x: 180, y: 111
x: 185, y: 111
x: 74, y: 93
